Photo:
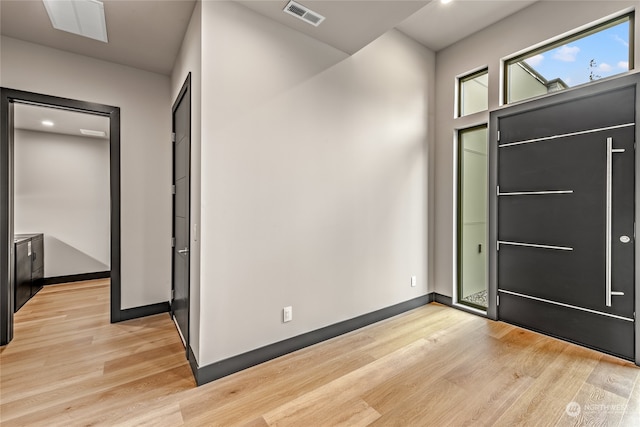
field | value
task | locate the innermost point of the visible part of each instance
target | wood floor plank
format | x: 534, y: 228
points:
x: 556, y: 386
x: 333, y: 412
x: 632, y: 409
x: 598, y: 407
x: 427, y: 404
x: 69, y: 366
x: 614, y: 375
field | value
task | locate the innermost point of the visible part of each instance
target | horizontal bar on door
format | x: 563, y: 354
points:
x: 588, y: 310
x: 535, y: 193
x: 565, y: 135
x: 533, y: 245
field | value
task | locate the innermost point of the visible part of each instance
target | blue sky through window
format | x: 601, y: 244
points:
x: 608, y: 49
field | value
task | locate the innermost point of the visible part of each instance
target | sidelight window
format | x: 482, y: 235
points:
x: 472, y: 217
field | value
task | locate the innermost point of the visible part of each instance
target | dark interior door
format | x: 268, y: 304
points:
x: 566, y: 220
x: 181, y: 211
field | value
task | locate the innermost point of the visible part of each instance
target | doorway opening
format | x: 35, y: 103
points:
x: 9, y: 98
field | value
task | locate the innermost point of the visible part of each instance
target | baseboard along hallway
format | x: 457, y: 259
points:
x: 432, y: 366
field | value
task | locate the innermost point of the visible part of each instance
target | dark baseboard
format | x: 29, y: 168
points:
x: 145, y: 310
x: 237, y: 363
x: 442, y: 299
x: 76, y: 278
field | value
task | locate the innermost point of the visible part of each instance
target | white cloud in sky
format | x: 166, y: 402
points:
x: 567, y: 53
x: 624, y: 65
x: 621, y: 40
x: 604, y: 67
x: 534, y: 61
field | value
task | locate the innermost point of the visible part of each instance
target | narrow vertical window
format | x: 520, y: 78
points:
x: 473, y: 93
x: 472, y: 217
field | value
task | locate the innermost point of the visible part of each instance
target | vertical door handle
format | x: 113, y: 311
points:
x: 609, y: 230
x: 609, y: 186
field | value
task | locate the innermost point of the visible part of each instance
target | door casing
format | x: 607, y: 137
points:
x: 559, y: 97
x: 183, y: 96
x: 7, y: 99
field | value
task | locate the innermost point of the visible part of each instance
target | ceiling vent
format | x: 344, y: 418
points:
x: 304, y: 13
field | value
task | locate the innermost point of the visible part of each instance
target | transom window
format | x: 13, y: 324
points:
x: 601, y: 51
x: 473, y: 93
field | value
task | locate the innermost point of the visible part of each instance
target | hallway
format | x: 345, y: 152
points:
x: 430, y: 366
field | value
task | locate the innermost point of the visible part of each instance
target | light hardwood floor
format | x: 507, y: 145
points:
x: 433, y: 366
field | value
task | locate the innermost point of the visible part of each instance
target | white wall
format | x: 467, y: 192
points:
x: 540, y: 22
x: 189, y: 60
x: 62, y: 190
x: 314, y: 179
x: 144, y: 100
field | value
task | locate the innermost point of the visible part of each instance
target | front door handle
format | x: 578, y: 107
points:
x: 609, y: 292
x: 183, y: 251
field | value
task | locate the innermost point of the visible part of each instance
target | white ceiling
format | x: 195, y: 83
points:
x: 30, y: 117
x: 145, y: 34
x: 349, y: 26
x: 440, y: 25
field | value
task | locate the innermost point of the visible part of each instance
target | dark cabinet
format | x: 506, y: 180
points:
x: 29, y: 267
x: 37, y: 263
x: 22, y: 274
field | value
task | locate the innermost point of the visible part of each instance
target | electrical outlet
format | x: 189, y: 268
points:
x: 287, y: 314
x: 414, y: 281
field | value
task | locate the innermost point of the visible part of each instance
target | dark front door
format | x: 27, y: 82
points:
x: 566, y: 220
x: 181, y: 216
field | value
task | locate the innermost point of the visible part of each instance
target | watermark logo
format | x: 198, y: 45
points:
x: 572, y: 409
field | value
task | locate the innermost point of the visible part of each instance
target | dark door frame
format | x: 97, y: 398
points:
x: 185, y: 92
x: 7, y: 99
x: 558, y: 97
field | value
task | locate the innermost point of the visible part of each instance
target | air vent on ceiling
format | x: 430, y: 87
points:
x: 304, y: 13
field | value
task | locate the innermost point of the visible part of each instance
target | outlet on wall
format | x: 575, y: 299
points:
x: 287, y: 314
x: 413, y: 281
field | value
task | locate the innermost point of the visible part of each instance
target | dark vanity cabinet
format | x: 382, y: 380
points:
x: 29, y: 267
x: 22, y: 273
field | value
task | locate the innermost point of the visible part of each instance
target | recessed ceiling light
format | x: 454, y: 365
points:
x: 445, y: 1
x: 93, y: 132
x: 47, y: 123
x: 82, y: 17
